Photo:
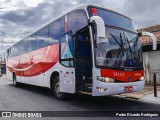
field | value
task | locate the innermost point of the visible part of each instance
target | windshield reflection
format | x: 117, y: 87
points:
x: 119, y: 49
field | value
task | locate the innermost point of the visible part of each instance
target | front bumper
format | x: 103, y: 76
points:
x: 115, y: 88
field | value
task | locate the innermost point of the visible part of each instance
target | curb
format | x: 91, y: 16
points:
x: 149, y: 101
x: 142, y: 100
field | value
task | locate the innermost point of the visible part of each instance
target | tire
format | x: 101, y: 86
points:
x: 15, y: 83
x: 56, y: 90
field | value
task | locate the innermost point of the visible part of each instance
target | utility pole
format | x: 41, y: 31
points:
x: 155, y: 85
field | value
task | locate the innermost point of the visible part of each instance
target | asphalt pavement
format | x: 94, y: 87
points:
x: 32, y: 98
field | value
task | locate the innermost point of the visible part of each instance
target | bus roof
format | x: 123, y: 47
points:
x: 83, y: 6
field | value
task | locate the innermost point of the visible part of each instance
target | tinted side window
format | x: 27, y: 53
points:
x: 32, y: 42
x: 77, y: 20
x: 22, y: 47
x: 56, y: 29
x: 10, y: 52
x: 18, y: 48
x: 28, y: 44
x: 13, y: 51
x: 67, y: 49
x: 42, y: 38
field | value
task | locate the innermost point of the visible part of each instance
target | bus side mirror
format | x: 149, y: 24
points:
x: 153, y: 37
x: 100, y: 26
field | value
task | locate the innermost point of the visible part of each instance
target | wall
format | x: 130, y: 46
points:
x: 151, y: 65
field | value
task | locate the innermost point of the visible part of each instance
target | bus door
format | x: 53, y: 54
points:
x: 83, y: 58
x: 67, y: 70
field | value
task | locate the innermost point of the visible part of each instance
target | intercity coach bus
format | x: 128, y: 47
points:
x: 89, y: 50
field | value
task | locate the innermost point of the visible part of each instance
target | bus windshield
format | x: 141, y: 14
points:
x: 121, y: 48
x: 115, y: 19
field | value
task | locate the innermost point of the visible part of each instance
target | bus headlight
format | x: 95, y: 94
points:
x: 141, y: 78
x: 106, y: 79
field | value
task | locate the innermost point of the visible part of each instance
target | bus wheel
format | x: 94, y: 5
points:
x: 56, y: 90
x: 15, y: 83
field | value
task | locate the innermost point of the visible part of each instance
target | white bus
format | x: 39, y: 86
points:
x: 89, y: 50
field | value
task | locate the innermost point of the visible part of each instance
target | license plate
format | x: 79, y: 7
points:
x: 128, y: 88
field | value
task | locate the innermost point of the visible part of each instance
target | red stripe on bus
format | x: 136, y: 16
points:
x: 124, y: 76
x: 35, y: 62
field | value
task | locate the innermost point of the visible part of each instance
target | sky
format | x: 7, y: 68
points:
x: 19, y: 18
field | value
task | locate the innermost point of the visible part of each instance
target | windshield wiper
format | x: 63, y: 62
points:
x: 121, y: 49
x: 115, y: 39
x: 133, y: 53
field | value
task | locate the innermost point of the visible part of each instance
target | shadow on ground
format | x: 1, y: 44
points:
x: 106, y: 103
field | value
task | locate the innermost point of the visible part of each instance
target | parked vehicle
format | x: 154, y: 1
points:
x: 89, y: 50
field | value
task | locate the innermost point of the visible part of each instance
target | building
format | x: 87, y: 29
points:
x: 2, y: 64
x: 151, y: 58
x: 2, y: 68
